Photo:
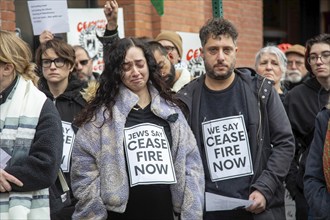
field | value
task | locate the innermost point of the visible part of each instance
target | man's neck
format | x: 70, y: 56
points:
x: 218, y: 85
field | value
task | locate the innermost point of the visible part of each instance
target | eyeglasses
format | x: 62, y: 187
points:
x: 59, y: 62
x: 83, y: 62
x: 325, y: 58
x: 169, y: 48
x: 297, y: 63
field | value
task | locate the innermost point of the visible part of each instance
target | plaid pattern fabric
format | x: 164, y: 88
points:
x: 326, y: 158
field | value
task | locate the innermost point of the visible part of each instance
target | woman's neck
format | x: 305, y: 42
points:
x: 58, y: 88
x: 144, y: 98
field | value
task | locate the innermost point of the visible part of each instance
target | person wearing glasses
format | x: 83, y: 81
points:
x: 56, y: 60
x: 302, y: 104
x: 172, y: 42
x: 84, y: 65
x: 296, y: 72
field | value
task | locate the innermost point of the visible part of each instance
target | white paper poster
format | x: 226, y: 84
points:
x: 68, y: 139
x: 148, y: 155
x: 227, y: 148
x: 49, y: 15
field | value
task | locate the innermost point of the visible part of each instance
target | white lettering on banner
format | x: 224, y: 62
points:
x: 68, y: 139
x: 227, y: 148
x: 148, y: 155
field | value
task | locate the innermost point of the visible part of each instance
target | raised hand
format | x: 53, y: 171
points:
x: 111, y: 14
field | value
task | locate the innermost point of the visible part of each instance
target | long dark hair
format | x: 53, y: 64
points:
x: 111, y: 79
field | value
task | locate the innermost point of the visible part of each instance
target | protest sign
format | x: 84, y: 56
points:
x: 68, y: 139
x: 227, y: 148
x: 148, y: 155
x: 49, y: 15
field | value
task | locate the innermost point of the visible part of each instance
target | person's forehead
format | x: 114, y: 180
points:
x: 291, y: 56
x: 166, y: 43
x: 81, y: 53
x: 319, y: 47
x: 50, y: 52
x: 267, y: 55
x: 134, y: 53
x: 220, y: 39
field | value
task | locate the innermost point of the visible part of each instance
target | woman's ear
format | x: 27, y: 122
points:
x: 8, y: 69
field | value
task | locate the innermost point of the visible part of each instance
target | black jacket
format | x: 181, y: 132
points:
x: 302, y: 104
x: 270, y: 137
x: 68, y: 104
x: 315, y: 189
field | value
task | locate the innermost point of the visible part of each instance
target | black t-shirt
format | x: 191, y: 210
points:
x: 147, y: 201
x: 219, y: 105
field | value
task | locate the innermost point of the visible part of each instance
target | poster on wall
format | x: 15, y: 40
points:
x: 85, y: 24
x: 191, y: 46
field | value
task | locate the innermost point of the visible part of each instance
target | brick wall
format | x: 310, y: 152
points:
x: 7, y: 15
x: 141, y: 19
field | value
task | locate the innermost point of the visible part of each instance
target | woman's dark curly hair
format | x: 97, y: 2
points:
x: 111, y: 79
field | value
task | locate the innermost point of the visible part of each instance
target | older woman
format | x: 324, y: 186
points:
x: 135, y: 156
x: 271, y: 63
x: 30, y: 135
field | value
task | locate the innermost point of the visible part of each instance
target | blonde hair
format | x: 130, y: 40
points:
x: 14, y: 50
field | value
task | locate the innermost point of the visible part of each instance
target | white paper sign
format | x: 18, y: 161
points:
x: 4, y: 158
x: 214, y: 202
x: 227, y: 148
x: 148, y: 155
x: 68, y: 139
x: 49, y: 15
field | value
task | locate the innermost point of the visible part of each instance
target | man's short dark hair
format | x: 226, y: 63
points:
x: 215, y: 27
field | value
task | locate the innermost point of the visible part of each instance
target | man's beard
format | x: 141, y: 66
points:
x: 170, y: 77
x: 293, y: 76
x: 211, y: 73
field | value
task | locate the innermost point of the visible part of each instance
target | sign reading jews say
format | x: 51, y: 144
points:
x: 148, y: 155
x: 227, y: 148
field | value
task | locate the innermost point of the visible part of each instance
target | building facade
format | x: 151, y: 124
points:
x: 259, y: 22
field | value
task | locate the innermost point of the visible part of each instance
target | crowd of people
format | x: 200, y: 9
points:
x: 146, y: 139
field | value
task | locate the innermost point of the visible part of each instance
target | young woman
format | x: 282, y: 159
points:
x: 56, y: 60
x: 135, y: 156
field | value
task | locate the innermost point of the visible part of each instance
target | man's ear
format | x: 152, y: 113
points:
x: 201, y: 50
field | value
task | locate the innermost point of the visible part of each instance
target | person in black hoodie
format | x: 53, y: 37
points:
x: 302, y: 104
x: 56, y: 60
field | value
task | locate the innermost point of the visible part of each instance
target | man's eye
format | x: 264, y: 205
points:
x: 227, y: 51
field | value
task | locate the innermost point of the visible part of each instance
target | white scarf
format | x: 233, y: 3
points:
x: 19, y: 116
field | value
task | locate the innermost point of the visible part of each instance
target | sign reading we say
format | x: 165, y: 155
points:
x: 227, y: 148
x: 148, y: 155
